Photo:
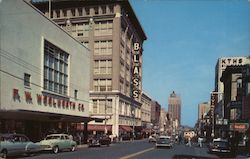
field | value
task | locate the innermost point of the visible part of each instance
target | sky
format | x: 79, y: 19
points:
x: 185, y: 40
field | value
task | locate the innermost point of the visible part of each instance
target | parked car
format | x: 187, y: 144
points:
x: 98, y: 140
x: 219, y: 146
x: 152, y: 138
x: 16, y: 144
x: 58, y: 142
x: 164, y: 141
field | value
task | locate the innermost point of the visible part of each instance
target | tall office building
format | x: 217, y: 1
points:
x: 115, y: 37
x: 174, y: 108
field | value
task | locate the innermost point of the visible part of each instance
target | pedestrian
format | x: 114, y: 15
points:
x: 200, y: 141
x: 189, y: 142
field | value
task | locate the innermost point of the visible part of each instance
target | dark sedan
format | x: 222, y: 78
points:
x: 99, y: 140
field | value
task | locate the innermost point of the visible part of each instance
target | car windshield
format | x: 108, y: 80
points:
x: 221, y: 143
x: 52, y: 137
x: 165, y: 140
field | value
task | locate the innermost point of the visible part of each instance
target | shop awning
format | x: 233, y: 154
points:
x: 92, y: 127
x: 125, y: 128
x: 147, y: 130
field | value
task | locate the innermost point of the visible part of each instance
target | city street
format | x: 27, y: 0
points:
x: 139, y: 149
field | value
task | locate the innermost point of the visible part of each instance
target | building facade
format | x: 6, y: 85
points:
x: 246, y: 93
x: 155, y: 115
x: 115, y: 37
x: 44, y: 74
x: 233, y: 100
x: 146, y: 110
x: 203, y: 109
x: 220, y: 67
x: 174, y: 108
x: 163, y: 121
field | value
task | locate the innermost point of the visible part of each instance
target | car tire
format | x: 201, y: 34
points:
x: 55, y: 149
x: 4, y: 154
x: 73, y: 148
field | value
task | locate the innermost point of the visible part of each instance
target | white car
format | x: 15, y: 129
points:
x: 152, y: 138
x: 58, y: 142
x: 16, y: 144
x: 164, y: 141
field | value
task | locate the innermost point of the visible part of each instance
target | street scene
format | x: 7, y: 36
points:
x: 140, y: 149
x: 124, y: 79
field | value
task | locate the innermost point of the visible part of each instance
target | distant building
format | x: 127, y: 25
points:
x: 146, y: 110
x: 203, y: 109
x: 155, y: 114
x: 163, y: 120
x: 174, y: 108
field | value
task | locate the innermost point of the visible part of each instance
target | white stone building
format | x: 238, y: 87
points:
x: 44, y: 73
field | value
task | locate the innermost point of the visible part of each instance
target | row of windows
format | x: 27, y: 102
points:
x: 102, y: 85
x: 125, y: 109
x: 82, y: 11
x: 100, y: 104
x: 103, y: 28
x: 102, y: 66
x: 103, y: 47
x: 131, y: 122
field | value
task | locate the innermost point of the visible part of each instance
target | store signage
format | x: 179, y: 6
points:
x: 136, y: 70
x: 241, y: 127
x: 232, y: 61
x: 60, y: 103
x: 48, y: 101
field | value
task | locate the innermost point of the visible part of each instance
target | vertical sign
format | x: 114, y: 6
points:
x: 136, y: 70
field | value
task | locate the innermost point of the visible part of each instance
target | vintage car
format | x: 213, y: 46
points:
x: 16, y: 144
x: 58, y: 142
x: 164, y: 141
x: 98, y: 140
x: 152, y: 138
x: 219, y: 146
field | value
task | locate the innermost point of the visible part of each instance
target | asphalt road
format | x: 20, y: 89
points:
x: 140, y: 149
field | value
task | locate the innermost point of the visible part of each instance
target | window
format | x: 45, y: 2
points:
x: 75, y: 94
x: 104, y: 10
x: 96, y: 10
x: 103, y: 47
x: 103, y: 28
x: 87, y: 11
x: 109, y: 106
x: 102, y: 67
x: 94, y: 106
x: 73, y: 13
x: 111, y: 8
x: 64, y: 12
x: 55, y: 69
x: 102, y: 85
x: 82, y: 30
x: 26, y: 79
x: 80, y: 11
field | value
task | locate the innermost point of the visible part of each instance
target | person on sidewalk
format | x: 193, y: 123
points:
x: 189, y: 142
